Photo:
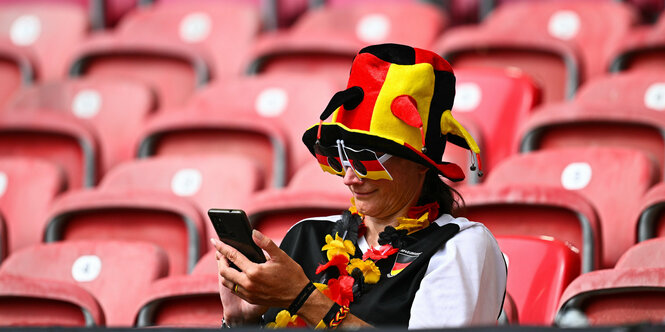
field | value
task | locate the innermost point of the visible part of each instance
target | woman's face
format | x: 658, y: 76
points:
x: 384, y: 199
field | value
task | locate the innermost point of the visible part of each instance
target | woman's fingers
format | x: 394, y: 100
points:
x: 231, y: 254
x: 266, y: 244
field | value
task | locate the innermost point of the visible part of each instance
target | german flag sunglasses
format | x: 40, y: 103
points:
x: 364, y: 162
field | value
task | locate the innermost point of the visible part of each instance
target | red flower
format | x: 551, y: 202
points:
x: 416, y: 211
x: 340, y: 261
x: 341, y: 290
x: 382, y: 252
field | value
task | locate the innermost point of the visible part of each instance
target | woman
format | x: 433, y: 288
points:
x: 397, y: 257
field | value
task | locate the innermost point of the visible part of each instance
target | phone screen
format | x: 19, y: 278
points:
x: 233, y: 228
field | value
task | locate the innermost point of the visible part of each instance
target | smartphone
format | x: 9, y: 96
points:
x: 233, y: 228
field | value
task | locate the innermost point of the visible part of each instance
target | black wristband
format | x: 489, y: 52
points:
x: 331, y: 314
x: 301, y: 298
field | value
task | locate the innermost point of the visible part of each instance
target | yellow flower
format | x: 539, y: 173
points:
x: 338, y: 246
x: 282, y: 320
x: 413, y: 225
x: 368, y: 268
x: 321, y: 287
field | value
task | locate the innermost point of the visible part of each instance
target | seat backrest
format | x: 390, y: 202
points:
x: 26, y: 301
x: 620, y: 110
x: 207, y: 181
x: 645, y: 254
x: 223, y: 30
x: 68, y: 142
x: 539, y: 269
x: 95, y: 100
x: 49, y: 30
x: 27, y: 187
x: 101, y: 267
x: 603, y: 175
x: 497, y: 101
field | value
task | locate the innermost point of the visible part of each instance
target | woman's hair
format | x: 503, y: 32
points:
x: 435, y: 190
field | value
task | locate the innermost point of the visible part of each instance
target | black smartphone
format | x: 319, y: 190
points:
x: 233, y: 228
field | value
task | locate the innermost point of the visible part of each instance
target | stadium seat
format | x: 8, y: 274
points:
x: 116, y: 273
x: 597, y: 173
x: 539, y: 269
x: 68, y: 142
x: 3, y: 238
x: 537, y: 211
x: 311, y: 193
x: 176, y: 48
x: 326, y: 40
x: 498, y: 101
x: 26, y: 301
x: 554, y: 42
x: 27, y: 188
x: 262, y: 117
x: 630, y: 293
x: 49, y: 31
x: 649, y: 219
x: 95, y: 100
x: 17, y: 68
x: 184, y: 301
x: 641, y: 49
x: 160, y: 200
x: 617, y: 111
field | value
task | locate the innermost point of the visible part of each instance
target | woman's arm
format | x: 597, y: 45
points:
x: 275, y: 283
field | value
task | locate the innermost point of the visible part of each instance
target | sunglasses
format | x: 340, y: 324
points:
x: 365, y: 163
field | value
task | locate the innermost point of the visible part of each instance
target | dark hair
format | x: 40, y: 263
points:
x: 436, y: 190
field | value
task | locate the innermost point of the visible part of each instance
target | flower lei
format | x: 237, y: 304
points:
x: 354, y: 274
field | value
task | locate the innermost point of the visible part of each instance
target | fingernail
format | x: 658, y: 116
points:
x: 212, y: 240
x: 257, y: 234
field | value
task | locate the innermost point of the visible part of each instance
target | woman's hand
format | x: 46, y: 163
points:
x: 237, y: 311
x: 275, y: 283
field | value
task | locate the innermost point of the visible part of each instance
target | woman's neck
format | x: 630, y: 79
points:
x: 376, y: 225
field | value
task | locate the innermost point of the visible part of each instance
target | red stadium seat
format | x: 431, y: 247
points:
x: 497, y: 101
x: 184, y: 301
x: 3, y: 238
x: 597, y: 173
x: 311, y: 193
x: 160, y: 200
x: 101, y: 267
x: 539, y: 269
x: 537, y: 211
x: 642, y: 49
x: 632, y: 292
x: 27, y: 188
x: 616, y: 111
x: 262, y: 117
x: 554, y: 42
x: 116, y: 120
x: 50, y: 31
x: 326, y: 40
x: 26, y: 301
x: 67, y: 142
x: 649, y: 221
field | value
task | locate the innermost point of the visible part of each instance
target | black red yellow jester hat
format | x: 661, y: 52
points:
x: 398, y: 101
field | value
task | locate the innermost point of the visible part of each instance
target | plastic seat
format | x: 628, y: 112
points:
x: 311, y: 193
x: 17, y: 67
x: 262, y: 117
x: 649, y: 218
x: 175, y: 48
x: 184, y: 301
x: 26, y: 301
x: 27, y: 188
x: 617, y: 111
x: 68, y: 142
x: 498, y: 101
x: 537, y: 211
x: 160, y: 200
x: 539, y: 269
x: 641, y: 49
x: 326, y: 40
x: 554, y: 42
x: 100, y: 267
x: 597, y: 173
x: 95, y: 100
x: 632, y: 292
x: 49, y: 31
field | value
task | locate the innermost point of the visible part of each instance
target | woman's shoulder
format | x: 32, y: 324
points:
x: 469, y: 231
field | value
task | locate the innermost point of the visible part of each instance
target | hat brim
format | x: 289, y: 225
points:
x: 331, y: 132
